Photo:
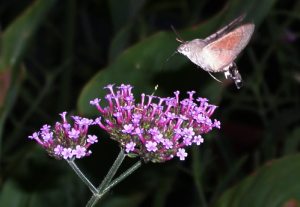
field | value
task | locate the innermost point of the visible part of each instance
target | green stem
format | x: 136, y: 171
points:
x: 122, y: 176
x: 96, y: 197
x: 82, y: 176
x: 111, y: 173
x: 93, y: 200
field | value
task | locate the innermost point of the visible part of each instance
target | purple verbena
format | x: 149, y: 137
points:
x: 65, y: 141
x: 156, y: 129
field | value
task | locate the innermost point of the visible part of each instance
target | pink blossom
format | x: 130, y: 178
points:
x: 181, y: 154
x: 151, y: 146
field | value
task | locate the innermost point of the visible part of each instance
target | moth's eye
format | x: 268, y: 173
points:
x: 183, y: 48
x: 186, y: 49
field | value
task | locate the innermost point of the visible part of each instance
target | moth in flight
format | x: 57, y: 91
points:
x: 218, y: 52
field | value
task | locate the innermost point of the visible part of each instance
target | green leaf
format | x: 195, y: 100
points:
x: 16, y: 37
x: 12, y: 196
x: 292, y: 142
x: 14, y: 43
x: 275, y: 184
x: 255, y: 10
x: 122, y: 12
x: 119, y: 42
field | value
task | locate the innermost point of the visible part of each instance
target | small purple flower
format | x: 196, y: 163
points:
x: 191, y: 93
x: 92, y: 139
x: 79, y: 151
x: 217, y: 124
x: 118, y: 114
x: 188, y: 132
x: 63, y: 116
x: 58, y: 150
x: 200, y: 118
x: 202, y: 100
x: 67, y: 126
x: 167, y: 143
x: 47, y: 136
x: 208, y: 122
x: 67, y: 153
x: 171, y: 115
x: 136, y: 118
x: 158, y: 138
x: 187, y: 141
x: 130, y: 147
x: 198, y: 139
x: 151, y: 146
x: 110, y: 87
x: 138, y: 131
x: 95, y: 102
x: 127, y: 128
x: 74, y: 134
x: 181, y: 154
x: 35, y: 135
x: 84, y: 121
x: 153, y: 131
x: 45, y: 129
x: 178, y: 131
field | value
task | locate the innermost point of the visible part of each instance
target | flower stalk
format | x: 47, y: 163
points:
x: 111, y: 173
x: 107, y: 184
x: 84, y: 179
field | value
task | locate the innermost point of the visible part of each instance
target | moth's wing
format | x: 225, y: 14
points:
x: 225, y: 29
x: 224, y: 50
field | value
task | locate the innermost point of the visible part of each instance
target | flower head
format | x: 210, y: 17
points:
x: 156, y: 128
x: 66, y: 141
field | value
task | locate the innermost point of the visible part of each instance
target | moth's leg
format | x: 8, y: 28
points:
x: 235, y: 75
x: 227, y: 74
x: 214, y: 77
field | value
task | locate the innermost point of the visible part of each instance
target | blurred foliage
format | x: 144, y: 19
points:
x: 57, y: 55
x: 265, y: 186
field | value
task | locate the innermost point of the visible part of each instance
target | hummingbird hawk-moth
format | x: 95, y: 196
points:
x: 218, y: 52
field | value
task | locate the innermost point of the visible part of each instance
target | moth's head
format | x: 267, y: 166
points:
x: 184, y: 48
x: 188, y: 47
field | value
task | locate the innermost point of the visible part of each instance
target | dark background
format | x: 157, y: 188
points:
x: 57, y: 55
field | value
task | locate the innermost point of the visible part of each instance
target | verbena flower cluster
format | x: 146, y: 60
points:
x: 156, y: 128
x: 66, y: 141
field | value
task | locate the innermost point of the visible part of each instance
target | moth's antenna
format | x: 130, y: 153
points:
x: 163, y: 65
x: 171, y: 56
x: 214, y: 77
x: 178, y: 38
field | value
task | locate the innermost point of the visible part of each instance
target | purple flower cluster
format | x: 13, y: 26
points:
x: 156, y: 128
x: 65, y: 141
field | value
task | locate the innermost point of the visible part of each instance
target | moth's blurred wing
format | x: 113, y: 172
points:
x: 225, y: 29
x: 225, y: 49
